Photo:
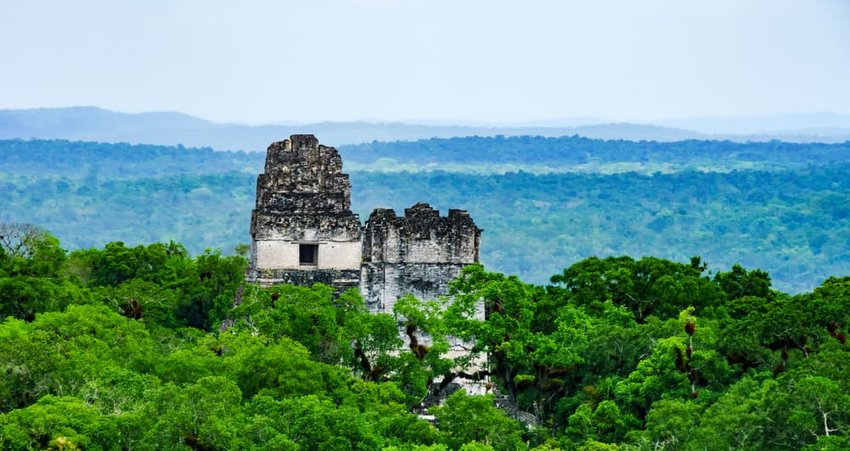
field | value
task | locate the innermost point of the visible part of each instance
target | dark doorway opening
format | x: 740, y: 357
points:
x: 308, y: 254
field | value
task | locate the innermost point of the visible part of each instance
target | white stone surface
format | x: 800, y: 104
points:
x: 340, y: 255
x: 272, y: 254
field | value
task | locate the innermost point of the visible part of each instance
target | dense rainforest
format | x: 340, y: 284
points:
x: 544, y: 203
x: 110, y: 342
x: 152, y: 347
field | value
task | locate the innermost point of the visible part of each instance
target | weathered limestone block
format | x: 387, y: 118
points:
x: 340, y: 279
x: 381, y: 284
x: 417, y: 254
x: 421, y: 236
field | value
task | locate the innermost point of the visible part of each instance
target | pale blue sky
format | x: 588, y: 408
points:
x: 440, y: 60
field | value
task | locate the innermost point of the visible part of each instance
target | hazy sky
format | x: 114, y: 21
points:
x: 443, y: 60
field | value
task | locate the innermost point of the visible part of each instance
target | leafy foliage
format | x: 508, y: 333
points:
x: 616, y: 353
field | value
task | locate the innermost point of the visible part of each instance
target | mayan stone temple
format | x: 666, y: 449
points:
x: 303, y: 232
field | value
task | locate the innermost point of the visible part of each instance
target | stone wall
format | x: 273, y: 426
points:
x: 418, y: 254
x: 303, y: 198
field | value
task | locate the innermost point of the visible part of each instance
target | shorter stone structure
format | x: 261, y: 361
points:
x: 303, y: 232
x: 418, y: 254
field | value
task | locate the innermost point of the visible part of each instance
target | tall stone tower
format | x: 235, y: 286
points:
x: 302, y: 229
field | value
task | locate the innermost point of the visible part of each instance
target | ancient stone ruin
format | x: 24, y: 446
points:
x: 303, y: 232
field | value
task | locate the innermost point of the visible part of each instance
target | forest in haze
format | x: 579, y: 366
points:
x: 539, y: 154
x: 544, y: 203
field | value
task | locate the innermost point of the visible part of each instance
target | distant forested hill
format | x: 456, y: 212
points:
x: 578, y: 154
x: 169, y: 128
x: 792, y: 220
